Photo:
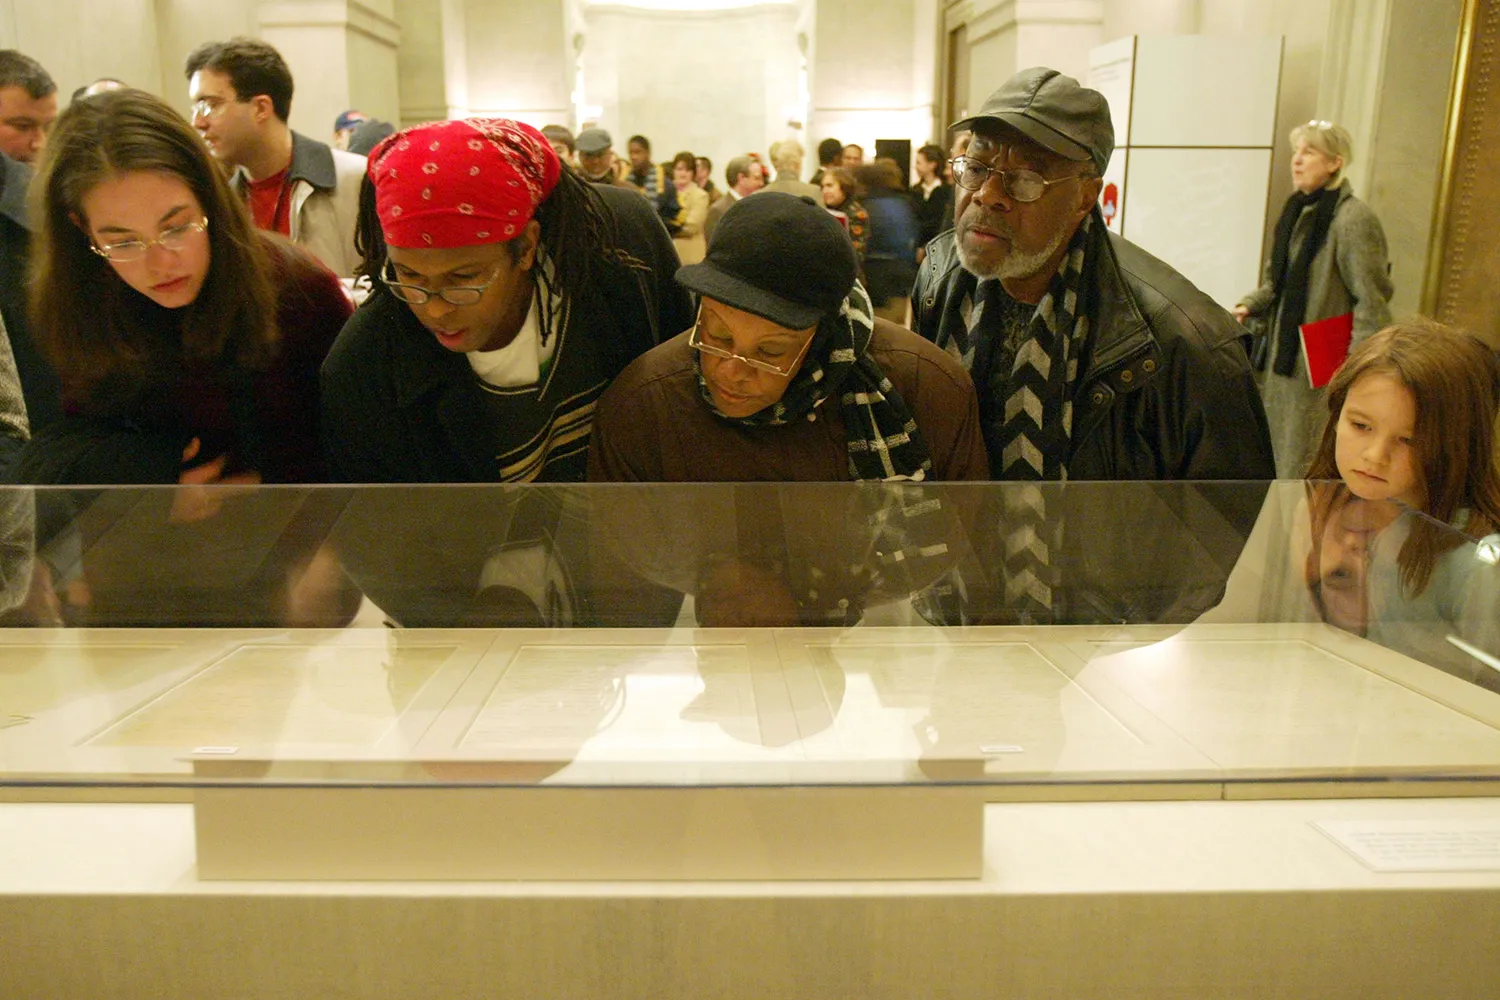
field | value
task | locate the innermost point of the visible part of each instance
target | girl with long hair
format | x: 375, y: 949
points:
x: 1406, y: 472
x: 186, y: 341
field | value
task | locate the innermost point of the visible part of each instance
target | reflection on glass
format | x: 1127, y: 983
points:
x: 1403, y: 580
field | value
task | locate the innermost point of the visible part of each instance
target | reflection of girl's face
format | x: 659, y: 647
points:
x: 1342, y: 565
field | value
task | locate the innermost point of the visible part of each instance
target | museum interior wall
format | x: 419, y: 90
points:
x: 722, y: 76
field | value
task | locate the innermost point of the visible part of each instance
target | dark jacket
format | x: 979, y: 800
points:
x: 39, y: 384
x: 400, y: 408
x: 1165, y: 390
x: 264, y: 420
x: 934, y: 210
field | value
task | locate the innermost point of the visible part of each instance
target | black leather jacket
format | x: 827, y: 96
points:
x: 1165, y: 391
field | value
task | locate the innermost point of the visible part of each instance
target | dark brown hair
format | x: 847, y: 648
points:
x: 844, y: 177
x: 253, y: 68
x: 882, y: 175
x: 686, y: 159
x: 100, y: 334
x: 1455, y: 378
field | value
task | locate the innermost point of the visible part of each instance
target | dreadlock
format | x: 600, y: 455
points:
x: 579, y: 239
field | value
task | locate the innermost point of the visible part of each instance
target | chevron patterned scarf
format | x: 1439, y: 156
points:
x: 1037, y: 431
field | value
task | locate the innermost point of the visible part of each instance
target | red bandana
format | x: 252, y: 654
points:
x: 461, y: 183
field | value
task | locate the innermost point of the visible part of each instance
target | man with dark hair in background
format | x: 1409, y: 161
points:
x: 649, y: 177
x: 830, y: 154
x: 242, y: 96
x: 28, y: 104
x: 744, y: 178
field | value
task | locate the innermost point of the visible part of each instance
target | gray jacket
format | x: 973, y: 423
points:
x: 1351, y: 272
x: 325, y: 201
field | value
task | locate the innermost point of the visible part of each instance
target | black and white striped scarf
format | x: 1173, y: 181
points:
x: 884, y: 441
x: 1037, y: 430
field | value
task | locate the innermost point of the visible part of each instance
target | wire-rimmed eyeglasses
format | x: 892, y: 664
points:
x: 174, y: 239
x: 1021, y: 184
x: 697, y: 344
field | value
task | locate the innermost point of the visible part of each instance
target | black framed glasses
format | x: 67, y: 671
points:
x: 1021, y: 184
x: 416, y: 295
x: 175, y: 239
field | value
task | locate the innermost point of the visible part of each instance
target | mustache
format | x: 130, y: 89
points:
x: 978, y: 217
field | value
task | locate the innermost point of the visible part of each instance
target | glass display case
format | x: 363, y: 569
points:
x: 748, y: 681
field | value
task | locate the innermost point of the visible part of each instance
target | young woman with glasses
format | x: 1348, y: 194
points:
x: 187, y: 342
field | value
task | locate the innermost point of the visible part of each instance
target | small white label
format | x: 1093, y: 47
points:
x: 216, y: 751
x: 1000, y: 748
x: 1418, y: 845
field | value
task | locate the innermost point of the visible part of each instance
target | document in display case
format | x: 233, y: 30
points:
x: 1268, y: 657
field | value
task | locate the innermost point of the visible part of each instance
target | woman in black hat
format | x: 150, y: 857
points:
x: 787, y: 375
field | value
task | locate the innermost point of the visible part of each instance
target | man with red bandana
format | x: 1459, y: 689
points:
x: 508, y: 293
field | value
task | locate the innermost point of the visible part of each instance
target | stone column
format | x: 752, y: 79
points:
x: 342, y: 54
x: 1005, y: 36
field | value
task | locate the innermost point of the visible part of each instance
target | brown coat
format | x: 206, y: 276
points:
x: 653, y: 426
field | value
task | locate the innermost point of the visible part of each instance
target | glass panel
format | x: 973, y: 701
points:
x: 744, y: 634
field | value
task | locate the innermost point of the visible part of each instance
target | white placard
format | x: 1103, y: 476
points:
x: 1204, y: 90
x: 1202, y: 211
x: 1418, y: 845
x: 1112, y: 73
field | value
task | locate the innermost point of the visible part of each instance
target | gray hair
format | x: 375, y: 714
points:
x: 1333, y: 141
x: 787, y: 156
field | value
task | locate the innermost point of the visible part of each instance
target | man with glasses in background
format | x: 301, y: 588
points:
x: 1093, y: 360
x: 301, y: 188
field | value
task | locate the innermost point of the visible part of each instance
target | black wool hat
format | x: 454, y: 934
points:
x: 779, y: 256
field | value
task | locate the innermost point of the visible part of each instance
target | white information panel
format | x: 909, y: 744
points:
x: 1202, y: 90
x: 1202, y: 211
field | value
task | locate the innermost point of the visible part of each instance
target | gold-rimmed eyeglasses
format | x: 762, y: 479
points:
x: 695, y: 341
x: 175, y: 239
x: 1021, y: 184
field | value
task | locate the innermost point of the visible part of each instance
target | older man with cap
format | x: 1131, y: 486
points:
x: 786, y: 375
x: 508, y: 293
x: 1127, y: 370
x: 1093, y: 360
x: 596, y: 158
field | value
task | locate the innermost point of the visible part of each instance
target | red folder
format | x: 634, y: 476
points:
x: 1325, y: 345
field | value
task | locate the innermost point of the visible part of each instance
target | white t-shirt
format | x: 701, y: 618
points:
x: 520, y: 362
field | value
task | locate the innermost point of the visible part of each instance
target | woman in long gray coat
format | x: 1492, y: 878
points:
x: 1328, y: 259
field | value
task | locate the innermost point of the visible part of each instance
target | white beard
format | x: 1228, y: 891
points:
x: 1013, y: 265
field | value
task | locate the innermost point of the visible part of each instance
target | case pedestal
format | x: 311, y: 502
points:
x: 562, y: 833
